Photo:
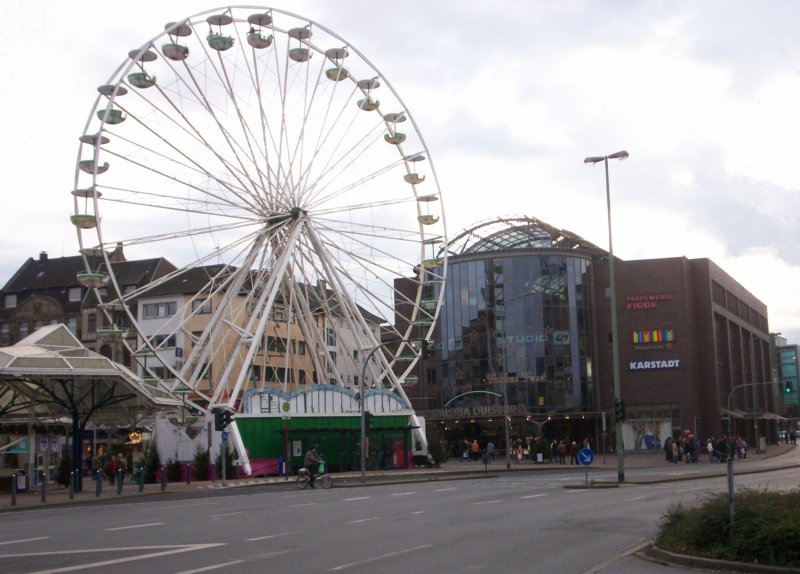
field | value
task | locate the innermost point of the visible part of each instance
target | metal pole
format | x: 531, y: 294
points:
x: 362, y: 409
x: 620, y: 445
x: 14, y: 490
x: 43, y: 486
x: 506, y: 423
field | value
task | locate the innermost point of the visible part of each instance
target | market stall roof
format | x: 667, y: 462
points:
x: 50, y: 374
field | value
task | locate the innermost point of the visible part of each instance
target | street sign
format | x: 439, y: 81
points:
x: 585, y: 456
x: 224, y: 436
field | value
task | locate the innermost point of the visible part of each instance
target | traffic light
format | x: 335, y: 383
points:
x: 222, y: 418
x: 367, y: 420
x: 787, y: 387
x: 619, y: 410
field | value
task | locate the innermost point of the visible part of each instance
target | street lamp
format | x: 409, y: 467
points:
x: 620, y: 447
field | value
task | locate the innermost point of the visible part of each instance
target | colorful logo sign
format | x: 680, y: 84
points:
x: 653, y: 336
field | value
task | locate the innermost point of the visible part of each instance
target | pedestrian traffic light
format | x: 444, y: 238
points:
x: 619, y: 410
x: 787, y: 387
x: 227, y: 419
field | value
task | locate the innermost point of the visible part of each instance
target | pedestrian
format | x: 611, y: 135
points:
x: 573, y: 453
x: 122, y: 466
x: 562, y: 452
x: 476, y: 450
x: 490, y: 449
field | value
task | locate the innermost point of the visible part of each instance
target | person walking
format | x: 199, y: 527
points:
x: 573, y: 453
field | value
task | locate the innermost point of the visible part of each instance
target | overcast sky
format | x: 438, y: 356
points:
x: 510, y: 97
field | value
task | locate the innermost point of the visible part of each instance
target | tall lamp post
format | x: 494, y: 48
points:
x: 620, y: 446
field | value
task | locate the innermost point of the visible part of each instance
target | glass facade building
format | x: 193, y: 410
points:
x: 516, y: 318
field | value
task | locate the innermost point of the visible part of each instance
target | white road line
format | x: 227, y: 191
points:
x: 135, y: 526
x: 487, y: 502
x: 380, y: 557
x: 149, y: 508
x: 403, y: 493
x: 303, y: 504
x: 271, y: 536
x: 226, y: 514
x: 362, y: 520
x: 635, y: 498
x: 81, y: 567
x: 212, y: 567
x: 534, y: 495
x: 24, y: 540
x: 418, y: 512
x: 443, y: 489
x: 357, y: 498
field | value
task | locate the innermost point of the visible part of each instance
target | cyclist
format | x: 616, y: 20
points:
x: 312, y: 462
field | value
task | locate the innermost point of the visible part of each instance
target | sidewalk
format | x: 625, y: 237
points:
x: 776, y: 457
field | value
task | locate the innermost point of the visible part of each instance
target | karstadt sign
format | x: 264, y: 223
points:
x: 655, y: 364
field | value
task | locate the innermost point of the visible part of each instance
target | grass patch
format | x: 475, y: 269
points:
x: 765, y: 530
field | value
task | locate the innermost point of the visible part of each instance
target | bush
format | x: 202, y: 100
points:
x: 151, y: 463
x: 202, y: 459
x: 174, y: 471
x: 765, y: 523
x: 230, y: 471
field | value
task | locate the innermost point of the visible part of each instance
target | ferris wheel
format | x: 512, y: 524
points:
x: 288, y: 190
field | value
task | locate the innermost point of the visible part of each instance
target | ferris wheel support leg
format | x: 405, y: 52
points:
x: 238, y: 444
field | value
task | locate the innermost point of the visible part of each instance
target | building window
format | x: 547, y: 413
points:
x: 128, y: 289
x: 23, y: 329
x: 301, y: 347
x: 279, y: 314
x: 330, y: 337
x: 72, y: 325
x: 74, y: 294
x: 91, y: 325
x: 157, y: 310
x: 276, y: 345
x: 164, y: 341
x: 38, y: 325
x: 5, y: 334
x: 201, y: 307
x: 11, y: 301
x: 355, y: 354
x: 302, y: 379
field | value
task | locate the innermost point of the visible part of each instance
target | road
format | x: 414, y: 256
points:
x: 518, y: 522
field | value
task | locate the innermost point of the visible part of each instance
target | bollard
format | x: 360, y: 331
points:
x: 43, y: 487
x: 98, y: 479
x: 120, y: 478
x: 72, y: 485
x: 141, y: 480
x: 188, y: 474
x: 13, y: 490
x: 163, y: 478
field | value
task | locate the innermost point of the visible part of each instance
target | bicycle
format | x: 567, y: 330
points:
x: 323, y: 478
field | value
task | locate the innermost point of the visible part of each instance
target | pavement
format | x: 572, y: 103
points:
x: 658, y: 470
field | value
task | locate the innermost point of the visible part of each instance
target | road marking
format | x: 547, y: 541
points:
x: 272, y: 536
x: 357, y: 498
x: 380, y: 557
x: 488, y: 502
x: 226, y: 514
x: 620, y: 556
x: 635, y: 498
x: 443, y: 489
x: 303, y: 504
x: 149, y: 508
x: 534, y: 495
x: 212, y: 567
x: 81, y: 567
x: 24, y: 540
x: 418, y: 512
x: 135, y: 526
x: 403, y: 493
x: 363, y: 520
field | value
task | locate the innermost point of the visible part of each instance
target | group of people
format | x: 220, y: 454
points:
x: 689, y: 449
x: 528, y: 448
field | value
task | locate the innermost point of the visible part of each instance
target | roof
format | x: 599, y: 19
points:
x: 52, y: 373
x: 517, y: 233
x: 45, y: 273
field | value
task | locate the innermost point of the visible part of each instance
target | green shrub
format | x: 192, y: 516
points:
x: 765, y: 524
x: 230, y: 471
x: 151, y: 463
x: 202, y: 459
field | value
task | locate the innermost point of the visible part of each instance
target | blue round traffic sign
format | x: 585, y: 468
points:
x: 224, y: 436
x: 585, y: 456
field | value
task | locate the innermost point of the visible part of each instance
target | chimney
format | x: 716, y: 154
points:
x: 43, y: 257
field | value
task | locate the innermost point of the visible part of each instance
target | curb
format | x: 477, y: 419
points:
x: 656, y: 554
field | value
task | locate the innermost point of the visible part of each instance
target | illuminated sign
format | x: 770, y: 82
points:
x: 653, y: 336
x: 654, y: 365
